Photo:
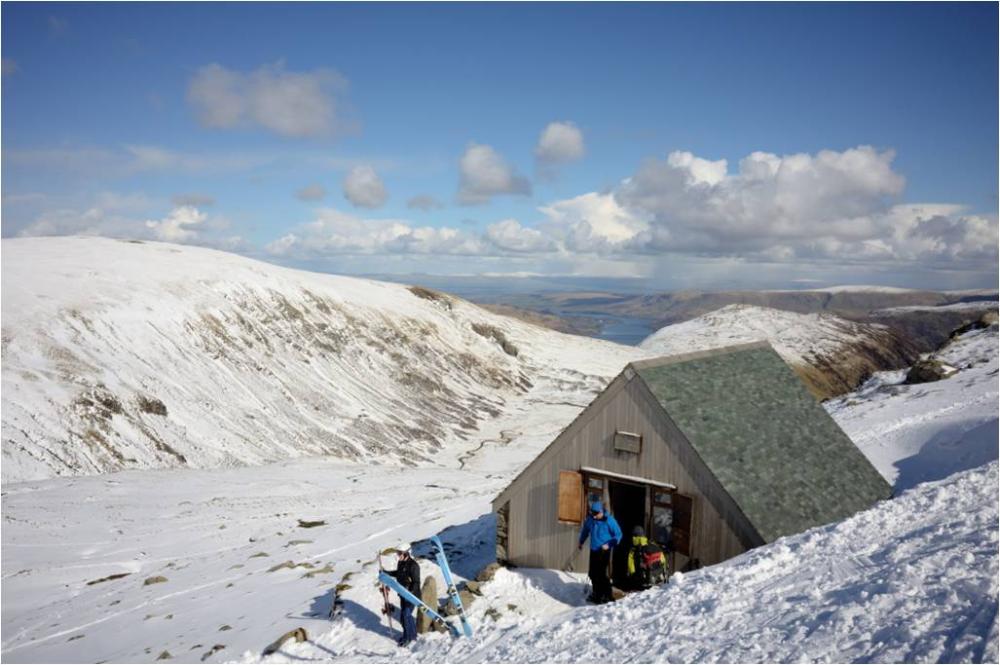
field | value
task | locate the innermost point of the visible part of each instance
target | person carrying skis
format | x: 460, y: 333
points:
x: 407, y: 573
x: 604, y: 534
x: 647, y: 564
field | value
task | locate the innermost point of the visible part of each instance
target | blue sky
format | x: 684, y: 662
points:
x: 860, y: 140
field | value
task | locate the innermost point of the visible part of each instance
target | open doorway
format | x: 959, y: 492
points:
x: 628, y: 505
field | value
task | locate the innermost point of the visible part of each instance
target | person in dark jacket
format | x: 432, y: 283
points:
x: 604, y: 534
x: 407, y: 573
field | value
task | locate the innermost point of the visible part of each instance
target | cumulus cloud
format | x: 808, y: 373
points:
x: 800, y: 211
x: 424, y: 202
x: 192, y: 199
x: 364, y: 188
x: 593, y: 222
x: 698, y: 205
x: 484, y: 174
x: 835, y: 206
x: 559, y: 142
x: 297, y: 104
x: 313, y: 192
x: 509, y: 235
x: 106, y: 214
x: 180, y: 225
x: 335, y: 232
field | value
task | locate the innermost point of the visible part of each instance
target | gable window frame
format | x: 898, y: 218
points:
x: 627, y: 442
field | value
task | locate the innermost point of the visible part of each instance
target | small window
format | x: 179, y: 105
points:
x: 662, y: 498
x: 628, y: 442
x: 570, y: 497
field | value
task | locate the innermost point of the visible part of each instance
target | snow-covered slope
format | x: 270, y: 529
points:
x: 830, y: 353
x: 911, y: 580
x: 122, y: 355
x: 926, y: 431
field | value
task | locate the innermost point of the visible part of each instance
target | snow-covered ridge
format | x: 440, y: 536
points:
x: 919, y: 432
x: 830, y: 352
x: 140, y: 355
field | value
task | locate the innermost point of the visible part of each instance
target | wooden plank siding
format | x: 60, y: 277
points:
x: 537, y: 539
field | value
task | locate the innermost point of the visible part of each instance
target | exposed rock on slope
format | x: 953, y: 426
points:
x: 832, y: 355
x: 136, y: 355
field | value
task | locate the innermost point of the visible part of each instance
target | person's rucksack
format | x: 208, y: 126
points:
x: 649, y: 568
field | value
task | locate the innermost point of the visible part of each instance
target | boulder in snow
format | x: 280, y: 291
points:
x: 928, y: 370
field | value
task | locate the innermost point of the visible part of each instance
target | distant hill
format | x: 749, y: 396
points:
x: 831, y: 354
x: 848, y: 302
x: 127, y: 355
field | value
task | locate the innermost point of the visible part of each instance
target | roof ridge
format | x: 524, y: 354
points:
x: 696, y: 355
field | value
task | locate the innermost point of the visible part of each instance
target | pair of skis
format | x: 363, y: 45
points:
x: 390, y: 582
x: 442, y: 561
x: 386, y: 605
x: 405, y: 594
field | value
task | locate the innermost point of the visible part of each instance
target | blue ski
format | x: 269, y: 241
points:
x: 452, y: 589
x: 403, y: 592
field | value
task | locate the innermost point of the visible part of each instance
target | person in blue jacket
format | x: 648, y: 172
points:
x: 604, y: 534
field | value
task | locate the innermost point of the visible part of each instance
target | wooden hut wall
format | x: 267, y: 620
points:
x: 537, y: 539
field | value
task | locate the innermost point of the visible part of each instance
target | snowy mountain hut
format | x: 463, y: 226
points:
x: 713, y: 453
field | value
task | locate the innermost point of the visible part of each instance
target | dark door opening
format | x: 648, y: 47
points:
x: 628, y: 505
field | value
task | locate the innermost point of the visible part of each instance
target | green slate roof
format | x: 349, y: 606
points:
x: 774, y: 449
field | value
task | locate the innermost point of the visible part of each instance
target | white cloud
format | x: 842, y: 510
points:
x: 298, y: 104
x: 334, y: 232
x: 364, y: 188
x: 509, y: 235
x: 559, y: 142
x: 106, y: 214
x: 424, y: 202
x: 127, y: 216
x: 485, y: 174
x: 832, y: 206
x: 696, y: 205
x: 593, y: 223
x: 313, y: 192
x: 702, y: 171
x: 180, y: 225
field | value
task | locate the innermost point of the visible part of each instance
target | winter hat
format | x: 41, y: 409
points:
x: 596, y: 507
x: 403, y: 548
x: 638, y: 531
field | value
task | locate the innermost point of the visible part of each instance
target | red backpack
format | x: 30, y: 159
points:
x: 649, y: 568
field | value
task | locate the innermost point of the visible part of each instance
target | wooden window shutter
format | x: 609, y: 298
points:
x: 570, y: 497
x: 682, y: 524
